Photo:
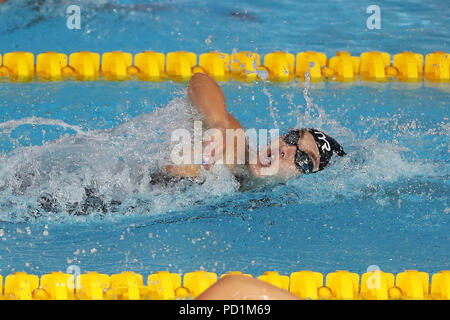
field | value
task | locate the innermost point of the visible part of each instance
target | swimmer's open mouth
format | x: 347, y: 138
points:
x: 266, y: 158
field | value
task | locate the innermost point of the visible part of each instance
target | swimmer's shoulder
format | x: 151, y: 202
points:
x: 183, y: 170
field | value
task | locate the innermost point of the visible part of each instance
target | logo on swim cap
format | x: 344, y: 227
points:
x: 327, y: 147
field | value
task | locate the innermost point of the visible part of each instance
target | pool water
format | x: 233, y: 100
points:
x: 384, y: 204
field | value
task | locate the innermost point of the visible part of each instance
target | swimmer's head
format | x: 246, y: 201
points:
x: 299, y: 152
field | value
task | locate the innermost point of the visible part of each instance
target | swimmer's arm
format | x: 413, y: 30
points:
x: 206, y: 95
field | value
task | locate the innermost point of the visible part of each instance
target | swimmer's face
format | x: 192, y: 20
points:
x: 278, y: 158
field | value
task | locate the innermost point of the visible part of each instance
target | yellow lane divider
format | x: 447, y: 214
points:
x: 164, y: 285
x: 242, y: 66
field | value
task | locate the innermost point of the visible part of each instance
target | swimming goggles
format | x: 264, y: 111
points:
x: 303, y: 161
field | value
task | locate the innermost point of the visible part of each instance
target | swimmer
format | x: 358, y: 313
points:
x: 299, y: 151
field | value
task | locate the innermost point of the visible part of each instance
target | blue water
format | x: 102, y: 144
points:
x: 385, y: 204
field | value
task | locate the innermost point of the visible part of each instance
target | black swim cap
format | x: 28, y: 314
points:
x: 326, y: 145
